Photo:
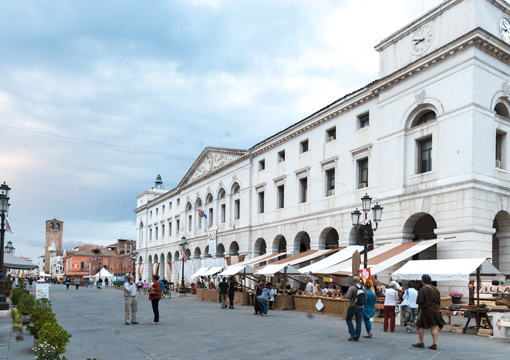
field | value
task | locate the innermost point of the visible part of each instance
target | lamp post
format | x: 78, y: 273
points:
x: 134, y: 256
x: 377, y: 210
x: 183, y: 246
x: 9, y: 249
x: 4, y: 209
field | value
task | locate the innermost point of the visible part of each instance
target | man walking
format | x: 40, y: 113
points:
x: 223, y: 289
x: 76, y: 283
x: 130, y: 301
x: 357, y: 299
x: 429, y: 317
x: 68, y: 282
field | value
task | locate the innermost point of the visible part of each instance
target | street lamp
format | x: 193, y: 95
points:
x: 134, y: 256
x: 9, y: 248
x: 183, y: 246
x: 377, y: 210
x: 4, y: 209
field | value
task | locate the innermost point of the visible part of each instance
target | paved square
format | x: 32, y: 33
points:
x: 191, y: 329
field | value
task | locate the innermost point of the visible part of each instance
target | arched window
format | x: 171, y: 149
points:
x: 58, y: 226
x: 52, y: 226
x: 82, y: 265
x: 501, y: 110
x: 425, y: 118
x: 237, y: 201
x: 223, y: 206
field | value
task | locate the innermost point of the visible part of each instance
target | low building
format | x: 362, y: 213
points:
x: 120, y: 263
x: 86, y: 260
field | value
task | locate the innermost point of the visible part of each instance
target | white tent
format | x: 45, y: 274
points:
x: 104, y: 274
x: 444, y: 270
x: 235, y: 269
x: 271, y: 270
x: 212, y: 271
x: 331, y: 260
x: 199, y: 272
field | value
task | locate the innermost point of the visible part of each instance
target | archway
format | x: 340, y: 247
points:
x: 220, y: 250
x: 279, y: 244
x: 302, y: 242
x: 328, y: 239
x: 176, y: 256
x: 162, y: 266
x: 233, y: 249
x: 260, y: 247
x: 357, y: 237
x: 206, y: 252
x: 420, y: 227
x: 501, y: 241
x: 197, y: 253
x: 155, y: 259
x: 187, y: 253
x: 150, y: 260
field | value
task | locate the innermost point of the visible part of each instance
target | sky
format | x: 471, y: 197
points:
x: 98, y: 98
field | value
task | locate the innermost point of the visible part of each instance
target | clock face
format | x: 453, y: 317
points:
x: 422, y: 40
x: 504, y: 29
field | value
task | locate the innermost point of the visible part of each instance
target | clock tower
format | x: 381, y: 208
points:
x: 54, y: 231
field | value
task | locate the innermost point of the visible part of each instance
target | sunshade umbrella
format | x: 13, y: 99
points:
x: 356, y: 261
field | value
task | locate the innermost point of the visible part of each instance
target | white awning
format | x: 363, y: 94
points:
x: 200, y: 272
x: 236, y: 269
x: 302, y: 257
x: 14, y: 262
x: 270, y: 270
x: 444, y: 270
x: 260, y: 259
x: 212, y: 271
x: 331, y: 260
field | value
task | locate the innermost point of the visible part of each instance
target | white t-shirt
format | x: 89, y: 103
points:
x: 273, y: 293
x: 412, y: 294
x: 309, y: 287
x: 391, y: 297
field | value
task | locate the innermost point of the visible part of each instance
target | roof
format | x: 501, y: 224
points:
x: 14, y: 262
x: 301, y: 258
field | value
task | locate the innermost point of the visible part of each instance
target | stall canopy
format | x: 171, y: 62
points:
x: 272, y: 269
x: 200, y: 272
x: 236, y: 269
x: 14, y: 262
x: 334, y: 259
x: 103, y: 274
x: 302, y: 257
x: 384, y: 257
x: 445, y: 270
x: 259, y: 259
x: 212, y: 271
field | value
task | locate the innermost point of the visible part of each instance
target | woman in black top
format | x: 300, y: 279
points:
x: 231, y: 290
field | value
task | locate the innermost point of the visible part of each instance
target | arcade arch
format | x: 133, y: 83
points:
x: 233, y: 248
x: 302, y: 242
x: 259, y: 247
x: 420, y: 227
x: 328, y: 239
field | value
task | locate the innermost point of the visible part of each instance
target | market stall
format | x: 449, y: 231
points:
x: 341, y: 256
x: 331, y: 305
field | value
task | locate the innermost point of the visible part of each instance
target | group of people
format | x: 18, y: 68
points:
x: 422, y: 308
x: 131, y: 302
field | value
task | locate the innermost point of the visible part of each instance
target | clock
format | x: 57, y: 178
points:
x: 422, y: 39
x: 504, y: 29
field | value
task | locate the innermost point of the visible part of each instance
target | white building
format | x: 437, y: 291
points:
x: 428, y: 141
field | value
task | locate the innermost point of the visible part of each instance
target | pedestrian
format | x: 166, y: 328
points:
x: 309, y: 286
x: 357, y: 299
x: 145, y: 287
x: 130, y: 300
x: 258, y: 291
x: 411, y: 307
x: 390, y: 303
x: 100, y: 283
x: 264, y: 298
x: 161, y: 286
x: 68, y: 282
x: 154, y: 296
x: 231, y: 291
x: 429, y: 317
x: 274, y: 291
x: 76, y: 283
x: 87, y: 283
x: 316, y: 287
x: 139, y: 285
x: 223, y: 291
x: 369, y: 309
x: 30, y: 281
x: 106, y: 283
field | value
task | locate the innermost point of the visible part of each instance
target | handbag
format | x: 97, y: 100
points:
x: 153, y: 292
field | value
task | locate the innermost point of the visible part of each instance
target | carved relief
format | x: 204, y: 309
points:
x: 211, y: 162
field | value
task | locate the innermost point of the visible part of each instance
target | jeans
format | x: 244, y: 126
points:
x: 358, y: 312
x: 411, y: 316
x: 389, y: 314
x: 368, y: 313
x: 263, y: 306
x: 155, y: 309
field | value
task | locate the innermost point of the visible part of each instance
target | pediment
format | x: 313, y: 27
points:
x: 210, y: 161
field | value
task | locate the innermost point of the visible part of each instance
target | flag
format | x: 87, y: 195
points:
x: 183, y: 255
x: 201, y: 210
x: 366, y: 275
x: 8, y: 227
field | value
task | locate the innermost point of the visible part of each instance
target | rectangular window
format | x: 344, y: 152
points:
x: 157, y: 211
x: 156, y: 237
x: 363, y: 173
x: 331, y: 134
x: 210, y: 216
x: 304, y: 146
x: 330, y: 182
x: 281, y: 156
x: 303, y: 190
x: 150, y: 234
x: 281, y: 196
x: 363, y: 121
x: 237, y: 209
x: 162, y: 231
x: 262, y: 165
x: 223, y: 213
x: 178, y: 202
x: 425, y: 156
x: 261, y: 202
x: 150, y: 214
x: 189, y: 223
x: 169, y: 228
x: 500, y: 150
x: 163, y: 209
x: 177, y: 226
x: 170, y: 205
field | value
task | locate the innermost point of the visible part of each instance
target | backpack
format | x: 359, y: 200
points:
x: 361, y: 296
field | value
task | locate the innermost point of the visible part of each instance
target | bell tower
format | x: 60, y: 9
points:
x: 54, y: 231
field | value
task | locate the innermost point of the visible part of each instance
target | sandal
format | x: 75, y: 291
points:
x: 368, y: 336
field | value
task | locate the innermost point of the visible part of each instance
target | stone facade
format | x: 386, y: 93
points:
x: 54, y: 232
x: 427, y: 141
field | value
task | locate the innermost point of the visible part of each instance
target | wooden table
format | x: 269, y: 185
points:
x: 478, y: 314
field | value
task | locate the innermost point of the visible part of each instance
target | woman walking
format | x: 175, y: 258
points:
x: 145, y: 287
x: 154, y: 296
x: 264, y: 298
x: 369, y: 309
x: 139, y: 286
x: 231, y: 292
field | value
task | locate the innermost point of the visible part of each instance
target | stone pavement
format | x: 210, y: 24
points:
x: 191, y: 329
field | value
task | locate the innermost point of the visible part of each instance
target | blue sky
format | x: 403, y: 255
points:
x: 169, y: 77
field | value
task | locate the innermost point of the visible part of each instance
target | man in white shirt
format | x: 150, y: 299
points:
x: 309, y: 286
x: 412, y: 306
x: 130, y: 301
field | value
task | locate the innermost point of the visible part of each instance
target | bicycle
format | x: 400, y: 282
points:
x: 166, y: 294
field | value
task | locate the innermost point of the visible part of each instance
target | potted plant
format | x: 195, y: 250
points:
x: 483, y: 306
x: 41, y: 315
x: 456, y: 297
x: 15, y: 295
x: 25, y: 306
x: 457, y: 328
x: 54, y: 335
x: 485, y: 331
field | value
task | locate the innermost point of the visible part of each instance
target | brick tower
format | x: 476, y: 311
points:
x: 54, y: 230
